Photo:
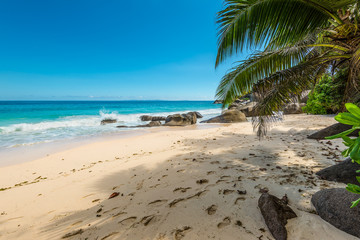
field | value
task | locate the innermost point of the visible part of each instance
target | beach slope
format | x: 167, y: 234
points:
x: 172, y: 184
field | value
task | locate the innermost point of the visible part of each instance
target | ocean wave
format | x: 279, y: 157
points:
x: 46, y: 125
x: 69, y: 127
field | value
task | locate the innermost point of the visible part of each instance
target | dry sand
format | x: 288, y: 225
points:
x: 172, y: 185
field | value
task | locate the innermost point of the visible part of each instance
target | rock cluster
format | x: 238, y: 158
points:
x: 247, y: 108
x: 108, y: 121
x: 146, y: 118
x: 171, y: 120
x: 294, y: 108
x: 181, y: 119
x: 228, y: 116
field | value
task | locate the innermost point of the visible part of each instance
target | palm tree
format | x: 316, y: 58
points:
x: 301, y: 40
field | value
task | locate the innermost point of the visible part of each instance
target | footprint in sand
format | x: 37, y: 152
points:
x: 127, y: 221
x: 215, y: 162
x: 202, y: 181
x: 158, y: 202
x: 181, y: 189
x: 239, y: 199
x: 119, y: 214
x: 147, y: 219
x: 225, y: 177
x: 211, y: 210
x: 176, y: 201
x: 76, y: 223
x: 224, y: 223
x: 180, y: 233
x: 109, y: 235
x: 140, y: 185
x: 227, y: 191
x: 74, y: 233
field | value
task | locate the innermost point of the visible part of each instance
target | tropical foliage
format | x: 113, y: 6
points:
x: 301, y: 40
x: 351, y: 118
x: 326, y: 96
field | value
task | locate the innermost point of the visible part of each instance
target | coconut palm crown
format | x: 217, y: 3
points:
x: 300, y: 40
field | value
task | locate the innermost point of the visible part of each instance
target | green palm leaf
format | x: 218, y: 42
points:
x: 255, y: 23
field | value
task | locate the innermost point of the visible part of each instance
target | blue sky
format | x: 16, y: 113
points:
x: 113, y: 49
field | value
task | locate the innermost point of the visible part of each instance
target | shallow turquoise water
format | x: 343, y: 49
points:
x: 25, y: 123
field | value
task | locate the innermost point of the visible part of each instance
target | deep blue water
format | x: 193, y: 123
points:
x: 31, y: 122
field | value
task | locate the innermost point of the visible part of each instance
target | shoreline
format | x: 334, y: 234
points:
x: 15, y: 155
x: 171, y: 184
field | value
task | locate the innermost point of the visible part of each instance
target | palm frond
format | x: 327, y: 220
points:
x: 255, y: 23
x: 240, y: 79
x: 278, y: 89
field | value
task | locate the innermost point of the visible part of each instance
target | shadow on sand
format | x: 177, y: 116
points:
x: 201, y: 194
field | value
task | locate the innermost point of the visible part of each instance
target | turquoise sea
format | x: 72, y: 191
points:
x: 25, y: 123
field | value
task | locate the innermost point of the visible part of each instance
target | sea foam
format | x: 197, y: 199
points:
x: 69, y: 127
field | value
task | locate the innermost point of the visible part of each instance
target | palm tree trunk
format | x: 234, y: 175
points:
x: 350, y: 93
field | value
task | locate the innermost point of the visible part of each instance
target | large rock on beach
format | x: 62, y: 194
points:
x: 294, y: 108
x: 158, y: 118
x: 333, y: 205
x: 344, y: 172
x: 146, y: 118
x: 198, y: 115
x: 108, y: 121
x: 228, y: 116
x: 238, y: 103
x: 247, y: 109
x: 181, y: 119
x: 275, y: 213
x: 333, y: 130
x: 218, y: 102
x: 154, y: 124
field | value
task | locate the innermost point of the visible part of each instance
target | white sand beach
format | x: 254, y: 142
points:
x: 179, y: 183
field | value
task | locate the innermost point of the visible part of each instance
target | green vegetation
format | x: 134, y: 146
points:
x: 326, y: 97
x: 351, y: 118
x: 301, y: 40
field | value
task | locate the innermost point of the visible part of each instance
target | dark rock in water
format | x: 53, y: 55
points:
x: 218, y: 102
x: 157, y: 118
x: 198, y: 115
x: 275, y: 213
x: 333, y: 205
x: 108, y: 121
x: 146, y: 118
x: 228, y: 116
x: 122, y: 126
x: 294, y: 108
x: 333, y: 130
x: 181, y: 119
x: 344, y: 172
